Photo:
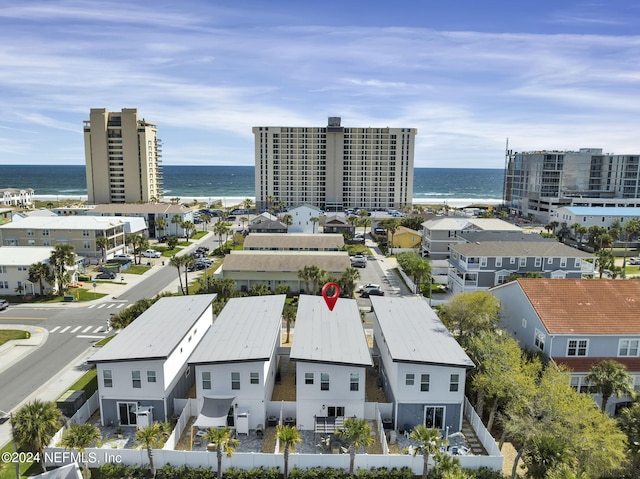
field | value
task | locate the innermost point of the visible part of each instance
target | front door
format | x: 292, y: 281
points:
x: 434, y: 417
x: 127, y: 413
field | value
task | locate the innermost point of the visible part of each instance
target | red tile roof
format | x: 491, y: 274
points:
x: 584, y: 364
x: 585, y: 306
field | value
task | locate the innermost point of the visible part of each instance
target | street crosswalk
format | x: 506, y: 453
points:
x: 107, y: 306
x: 83, y: 329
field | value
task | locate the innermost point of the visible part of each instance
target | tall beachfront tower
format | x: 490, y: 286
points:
x: 334, y: 167
x: 122, y: 155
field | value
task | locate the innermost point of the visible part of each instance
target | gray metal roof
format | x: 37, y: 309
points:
x: 294, y: 240
x: 414, y: 333
x: 247, y: 329
x: 481, y: 236
x: 283, y: 261
x: 157, y: 331
x: 325, y: 336
x: 543, y: 249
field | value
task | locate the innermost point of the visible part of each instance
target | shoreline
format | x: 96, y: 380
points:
x: 237, y: 200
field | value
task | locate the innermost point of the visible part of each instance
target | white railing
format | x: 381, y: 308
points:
x: 482, y: 433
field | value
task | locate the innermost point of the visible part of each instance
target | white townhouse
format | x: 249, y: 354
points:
x: 16, y: 197
x: 301, y: 219
x: 15, y: 262
x: 144, y: 368
x: 601, y: 216
x: 331, y: 354
x: 423, y: 367
x: 236, y: 362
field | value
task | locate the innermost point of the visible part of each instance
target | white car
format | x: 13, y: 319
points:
x: 369, y: 286
x: 3, y: 304
x: 123, y: 257
x: 151, y: 253
x: 635, y: 261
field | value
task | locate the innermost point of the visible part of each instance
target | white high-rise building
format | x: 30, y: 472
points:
x: 122, y: 155
x: 334, y: 167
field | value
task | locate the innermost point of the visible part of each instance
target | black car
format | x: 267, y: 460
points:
x: 163, y: 239
x: 106, y: 275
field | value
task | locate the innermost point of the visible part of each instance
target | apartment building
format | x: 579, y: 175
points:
x: 122, y: 155
x: 334, y: 167
x: 538, y: 183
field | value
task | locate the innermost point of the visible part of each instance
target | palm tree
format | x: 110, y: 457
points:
x: 248, y: 205
x: 102, y: 242
x: 428, y: 440
x: 161, y: 224
x: 348, y: 280
x: 287, y: 219
x: 188, y: 261
x: 289, y: 314
x: 62, y: 257
x: 546, y: 453
x: 150, y: 437
x: 222, y: 441
x: 314, y: 220
x: 178, y: 262
x: 288, y: 437
x: 80, y: 437
x: 357, y: 433
x: 140, y: 243
x: 259, y: 289
x: 40, y: 272
x: 607, y: 378
x: 206, y: 219
x: 35, y: 424
x: 244, y: 220
x: 221, y: 228
x: 564, y: 471
x: 176, y: 220
x: 189, y: 228
x: 392, y: 226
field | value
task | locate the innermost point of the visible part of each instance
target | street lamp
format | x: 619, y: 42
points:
x: 15, y: 445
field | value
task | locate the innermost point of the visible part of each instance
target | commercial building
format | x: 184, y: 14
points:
x: 334, y: 167
x: 122, y: 155
x: 538, y: 183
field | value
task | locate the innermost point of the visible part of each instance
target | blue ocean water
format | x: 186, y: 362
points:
x: 430, y: 184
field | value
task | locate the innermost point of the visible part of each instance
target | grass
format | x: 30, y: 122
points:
x: 138, y: 268
x: 8, y: 469
x: 104, y: 341
x: 11, y: 335
x: 199, y: 235
x: 88, y: 383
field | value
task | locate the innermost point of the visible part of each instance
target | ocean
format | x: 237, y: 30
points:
x: 453, y: 186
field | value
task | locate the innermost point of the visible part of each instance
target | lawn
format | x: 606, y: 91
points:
x: 81, y: 294
x: 12, y: 334
x: 138, y: 269
x: 8, y: 469
x: 88, y: 382
x: 104, y: 341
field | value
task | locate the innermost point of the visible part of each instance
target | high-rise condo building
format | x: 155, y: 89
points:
x: 334, y: 167
x: 122, y: 155
x: 537, y: 183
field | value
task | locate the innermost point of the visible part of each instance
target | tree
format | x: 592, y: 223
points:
x: 546, y: 452
x: 206, y: 219
x: 221, y: 228
x: 80, y: 437
x: 347, y: 281
x: 289, y: 313
x: 244, y: 220
x: 428, y: 443
x: 392, y: 225
x: 161, y: 224
x: 609, y: 378
x: 178, y: 262
x: 40, y: 272
x: 630, y: 425
x: 564, y: 471
x: 604, y: 261
x: 314, y: 220
x: 188, y: 262
x: 248, y: 205
x: 415, y: 266
x: 189, y: 228
x: 357, y: 433
x: 467, y: 314
x: 222, y: 442
x: 176, y: 220
x: 62, y: 257
x: 259, y: 289
x: 102, y: 242
x: 172, y: 242
x: 140, y: 243
x: 35, y: 424
x: 150, y: 437
x: 288, y: 437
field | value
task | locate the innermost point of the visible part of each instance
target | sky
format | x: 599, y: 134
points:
x: 469, y: 74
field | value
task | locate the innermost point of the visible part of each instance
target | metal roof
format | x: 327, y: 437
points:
x: 294, y: 240
x: 247, y: 329
x: 335, y: 337
x: 602, y: 210
x: 453, y: 223
x: 542, y: 248
x: 66, y: 222
x: 24, y: 255
x: 283, y: 261
x: 414, y: 333
x: 157, y: 331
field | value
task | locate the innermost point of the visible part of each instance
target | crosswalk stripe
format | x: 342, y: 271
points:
x: 75, y: 329
x: 101, y: 306
x: 64, y: 329
x: 54, y: 329
x: 87, y: 329
x: 92, y: 306
x: 99, y: 328
x: 120, y: 305
x: 111, y: 305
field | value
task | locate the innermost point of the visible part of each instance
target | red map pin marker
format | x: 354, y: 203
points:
x: 331, y: 300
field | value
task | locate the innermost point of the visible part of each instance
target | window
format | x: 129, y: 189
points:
x: 512, y: 260
x: 499, y: 262
x: 86, y: 245
x: 136, y: 380
x: 577, y: 263
x: 206, y: 379
x: 538, y: 262
x: 424, y: 382
x: 483, y: 262
x: 549, y: 260
x: 254, y: 378
x: 454, y: 382
x: 409, y: 379
x: 563, y: 262
x: 577, y: 347
x: 523, y: 262
x: 628, y: 347
x: 324, y: 381
x: 85, y: 233
x: 45, y: 232
x: 354, y: 380
x: 580, y: 384
x: 235, y: 380
x: 151, y: 376
x: 308, y: 378
x: 539, y: 340
x: 107, y: 378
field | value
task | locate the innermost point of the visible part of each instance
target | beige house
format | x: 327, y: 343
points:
x: 293, y: 242
x: 81, y: 232
x: 272, y: 268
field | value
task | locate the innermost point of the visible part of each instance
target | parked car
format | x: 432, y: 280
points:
x: 372, y: 292
x: 635, y: 261
x: 4, y: 304
x: 163, y: 239
x: 359, y: 262
x: 106, y: 275
x: 123, y: 257
x: 202, y: 249
x: 369, y: 286
x: 151, y: 253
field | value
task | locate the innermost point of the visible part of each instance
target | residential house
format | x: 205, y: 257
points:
x: 422, y: 366
x: 337, y: 224
x: 144, y: 368
x: 15, y: 262
x: 236, y: 362
x: 267, y: 223
x: 331, y: 354
x: 81, y: 232
x: 273, y: 268
x: 575, y: 323
x: 293, y: 242
x: 479, y: 266
x: 16, y: 197
x: 601, y: 216
x: 301, y: 217
x: 405, y: 239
